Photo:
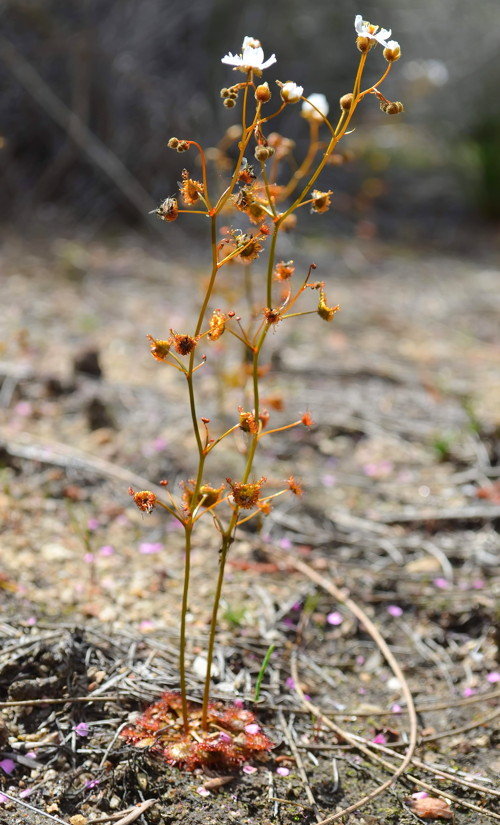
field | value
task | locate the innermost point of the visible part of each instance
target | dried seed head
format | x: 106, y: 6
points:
x: 392, y: 107
x: 229, y: 103
x: 263, y: 153
x: 272, y: 316
x: 183, y: 146
x: 321, y: 201
x: 159, y: 349
x: 323, y: 310
x: 145, y: 499
x: 190, y: 189
x: 250, y: 250
x: 283, y: 271
x: 246, y: 495
x: 346, y: 101
x: 173, y: 143
x: 263, y: 93
x: 364, y: 44
x: 183, y: 344
x: 217, y: 325
x: 168, y: 210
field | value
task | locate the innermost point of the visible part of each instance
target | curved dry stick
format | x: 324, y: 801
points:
x: 383, y: 647
x: 361, y: 744
x: 438, y: 791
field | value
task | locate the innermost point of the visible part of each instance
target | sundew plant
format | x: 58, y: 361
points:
x: 260, y: 191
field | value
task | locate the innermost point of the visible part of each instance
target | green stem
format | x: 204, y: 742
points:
x: 182, y: 641
x: 226, y: 542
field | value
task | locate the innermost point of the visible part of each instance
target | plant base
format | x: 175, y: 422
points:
x: 232, y: 737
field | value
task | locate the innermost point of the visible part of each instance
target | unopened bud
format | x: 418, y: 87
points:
x: 290, y: 92
x: 392, y: 51
x: 346, y: 101
x: 263, y: 153
x: 229, y: 102
x: 263, y: 93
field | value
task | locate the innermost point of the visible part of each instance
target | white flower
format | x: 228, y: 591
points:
x: 321, y: 104
x: 290, y: 92
x: 365, y: 29
x: 251, y: 57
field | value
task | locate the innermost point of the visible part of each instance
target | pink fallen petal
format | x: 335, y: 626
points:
x: 441, y: 583
x: 380, y: 739
x: 395, y: 610
x: 249, y: 769
x: 8, y: 766
x: 88, y: 558
x: 469, y: 691
x: 290, y: 683
x: 253, y: 728
x: 147, y: 548
x: 92, y: 524
x: 26, y: 792
x: 493, y: 677
x: 202, y: 791
x: 396, y: 708
x: 106, y: 550
x: 283, y: 771
x: 335, y: 618
x: 420, y: 795
x: 82, y: 729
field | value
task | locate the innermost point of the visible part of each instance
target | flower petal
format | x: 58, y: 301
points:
x: 232, y: 59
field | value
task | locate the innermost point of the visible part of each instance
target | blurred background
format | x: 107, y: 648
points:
x: 92, y: 90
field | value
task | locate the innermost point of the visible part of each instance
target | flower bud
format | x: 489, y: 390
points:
x: 229, y: 102
x: 173, y: 143
x: 392, y: 51
x: 346, y: 101
x: 263, y: 93
x: 224, y: 92
x: 290, y: 92
x: 182, y: 146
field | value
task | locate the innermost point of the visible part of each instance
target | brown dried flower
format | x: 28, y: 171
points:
x: 183, y: 344
x: 247, y: 421
x: 190, y: 189
x: 217, y: 325
x: 294, y: 486
x: 159, y: 348
x: 145, y: 499
x: 246, y: 495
